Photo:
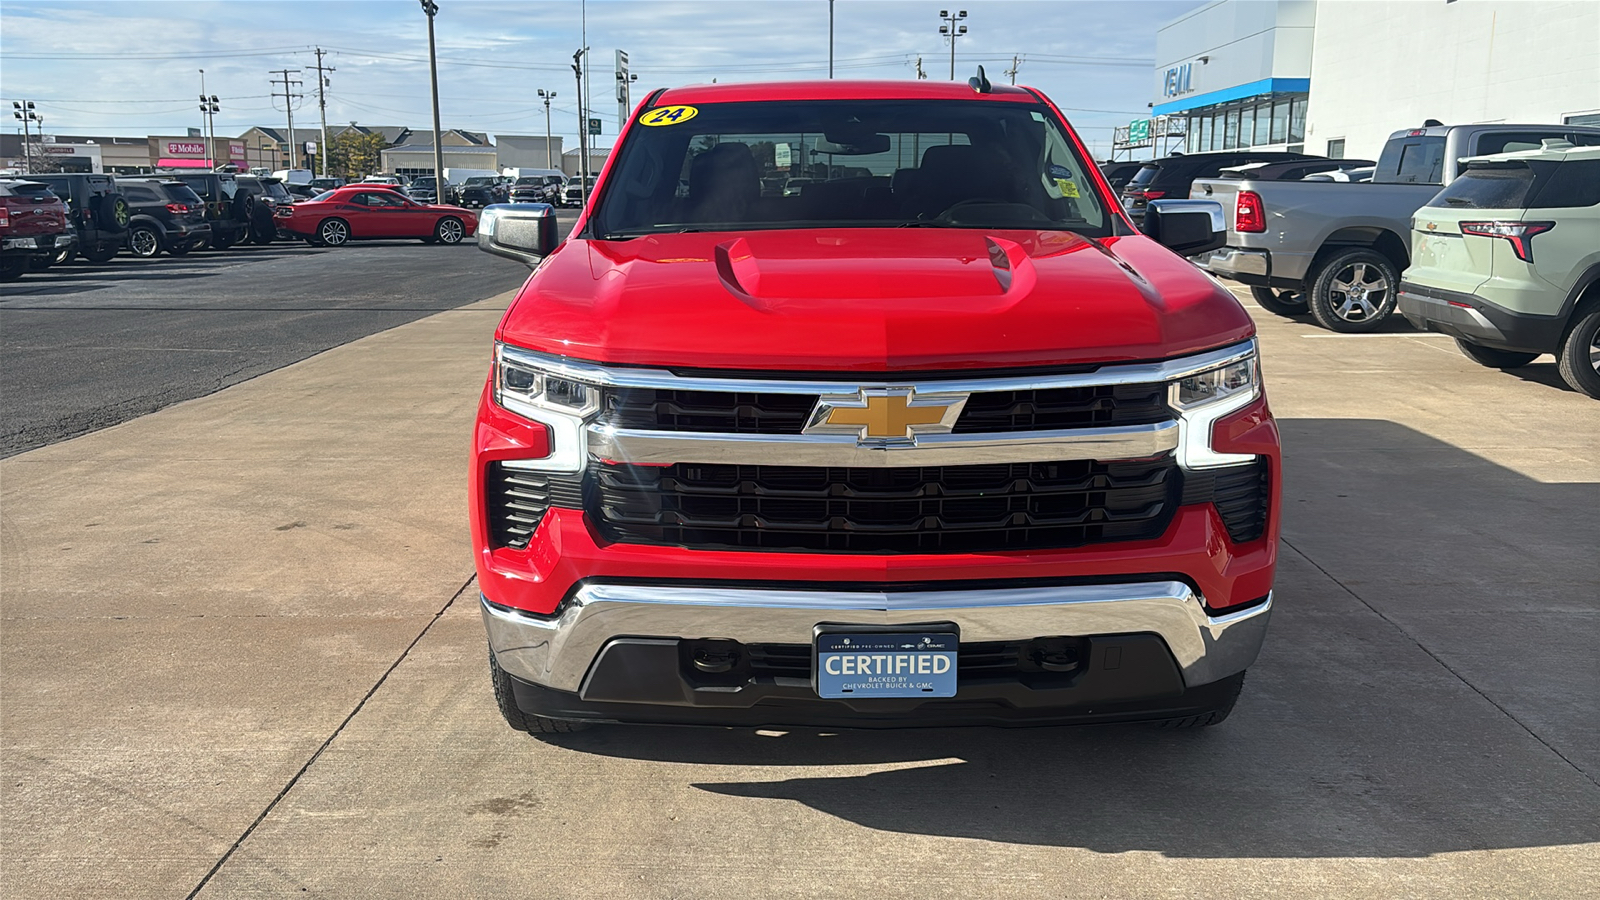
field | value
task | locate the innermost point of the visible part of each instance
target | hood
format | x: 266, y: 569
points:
x: 871, y: 300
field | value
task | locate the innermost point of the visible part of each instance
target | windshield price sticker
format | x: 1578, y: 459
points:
x: 886, y: 665
x: 669, y: 115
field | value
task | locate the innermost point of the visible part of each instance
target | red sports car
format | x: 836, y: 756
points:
x: 367, y: 212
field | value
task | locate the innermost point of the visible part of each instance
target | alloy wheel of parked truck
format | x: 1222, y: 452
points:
x: 941, y: 440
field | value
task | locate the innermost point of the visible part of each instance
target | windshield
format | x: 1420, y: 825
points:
x: 425, y: 181
x: 1144, y: 176
x: 529, y: 179
x: 930, y: 163
x: 1414, y: 159
x: 182, y: 193
x: 323, y: 197
x: 276, y: 190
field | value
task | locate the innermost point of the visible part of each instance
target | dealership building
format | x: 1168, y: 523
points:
x: 1337, y: 78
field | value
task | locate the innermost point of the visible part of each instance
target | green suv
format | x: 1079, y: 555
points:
x: 1506, y: 259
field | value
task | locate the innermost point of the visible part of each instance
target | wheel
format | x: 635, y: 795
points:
x: 333, y: 232
x: 1579, y: 359
x: 112, y: 212
x: 1493, y: 358
x: 1354, y: 291
x: 144, y: 242
x: 515, y: 717
x: 63, y: 256
x: 1279, y: 303
x: 1214, y: 716
x: 13, y: 267
x: 449, y: 230
x: 100, y: 254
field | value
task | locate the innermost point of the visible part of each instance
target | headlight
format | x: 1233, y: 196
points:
x: 1216, y: 385
x: 519, y: 381
x: 1201, y: 398
x: 562, y: 404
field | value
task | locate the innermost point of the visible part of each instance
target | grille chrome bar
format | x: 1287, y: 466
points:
x: 632, y: 445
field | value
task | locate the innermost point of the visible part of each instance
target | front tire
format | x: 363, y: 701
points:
x: 333, y: 233
x: 506, y: 699
x: 144, y: 242
x: 1354, y: 291
x: 1280, y: 303
x: 1495, y: 358
x: 1579, y: 359
x: 449, y: 230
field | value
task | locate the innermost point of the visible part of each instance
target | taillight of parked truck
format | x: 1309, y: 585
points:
x: 1248, y: 214
x: 1520, y: 234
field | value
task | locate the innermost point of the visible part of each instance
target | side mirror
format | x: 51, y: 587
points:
x: 1187, y: 227
x: 525, y: 232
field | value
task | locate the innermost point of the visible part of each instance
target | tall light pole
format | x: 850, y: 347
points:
x: 953, y: 29
x: 583, y: 130
x: 209, y: 107
x: 830, y: 39
x: 547, y: 96
x: 432, y: 9
x: 23, y: 109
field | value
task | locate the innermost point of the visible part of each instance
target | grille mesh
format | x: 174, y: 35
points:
x: 985, y: 412
x: 927, y: 509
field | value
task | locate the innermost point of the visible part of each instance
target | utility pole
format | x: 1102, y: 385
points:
x: 1016, y: 63
x: 322, y: 106
x: 953, y: 29
x: 23, y: 109
x: 547, y: 96
x: 583, y: 131
x: 830, y: 40
x: 921, y: 75
x: 289, y: 96
x: 432, y: 9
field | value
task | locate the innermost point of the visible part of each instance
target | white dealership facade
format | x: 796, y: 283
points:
x: 1337, y: 77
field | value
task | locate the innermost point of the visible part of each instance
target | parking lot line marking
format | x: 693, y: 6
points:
x: 1346, y: 337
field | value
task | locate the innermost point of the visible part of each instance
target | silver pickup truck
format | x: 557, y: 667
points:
x: 1337, y: 249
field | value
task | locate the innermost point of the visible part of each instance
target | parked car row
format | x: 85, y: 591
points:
x: 48, y: 220
x: 1441, y: 227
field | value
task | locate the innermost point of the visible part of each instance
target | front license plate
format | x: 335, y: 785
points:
x: 886, y: 665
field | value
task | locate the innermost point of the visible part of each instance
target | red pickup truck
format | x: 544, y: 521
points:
x: 940, y: 439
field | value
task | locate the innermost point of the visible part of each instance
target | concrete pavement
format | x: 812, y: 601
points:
x: 241, y: 658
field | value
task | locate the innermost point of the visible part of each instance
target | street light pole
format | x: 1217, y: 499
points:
x: 23, y: 109
x: 547, y: 96
x: 583, y: 131
x: 432, y: 9
x: 830, y: 39
x: 953, y: 29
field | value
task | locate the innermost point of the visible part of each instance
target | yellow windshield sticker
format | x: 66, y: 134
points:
x: 1067, y: 188
x: 669, y: 115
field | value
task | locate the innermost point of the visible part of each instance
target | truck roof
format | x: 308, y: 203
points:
x: 1552, y: 151
x: 839, y: 90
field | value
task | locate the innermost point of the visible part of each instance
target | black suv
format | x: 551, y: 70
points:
x: 97, y: 210
x: 167, y: 215
x: 269, y: 194
x: 227, y: 208
x: 1171, y: 178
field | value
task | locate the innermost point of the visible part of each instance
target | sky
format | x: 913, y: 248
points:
x: 131, y: 67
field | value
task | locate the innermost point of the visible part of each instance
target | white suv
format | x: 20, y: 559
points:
x: 1506, y: 259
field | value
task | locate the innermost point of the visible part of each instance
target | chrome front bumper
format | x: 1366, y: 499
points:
x: 557, y: 652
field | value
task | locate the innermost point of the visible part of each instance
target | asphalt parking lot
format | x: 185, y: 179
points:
x: 241, y: 656
x: 88, y: 346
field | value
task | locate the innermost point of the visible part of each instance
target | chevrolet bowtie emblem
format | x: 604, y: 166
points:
x: 885, y: 415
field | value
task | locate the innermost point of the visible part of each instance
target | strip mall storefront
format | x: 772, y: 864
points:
x: 190, y: 153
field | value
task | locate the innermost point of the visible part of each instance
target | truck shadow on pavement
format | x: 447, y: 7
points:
x: 1355, y: 735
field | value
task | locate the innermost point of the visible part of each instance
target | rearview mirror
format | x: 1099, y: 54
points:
x: 525, y: 232
x: 1187, y: 227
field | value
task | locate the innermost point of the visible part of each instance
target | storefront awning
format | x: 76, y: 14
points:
x: 182, y: 164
